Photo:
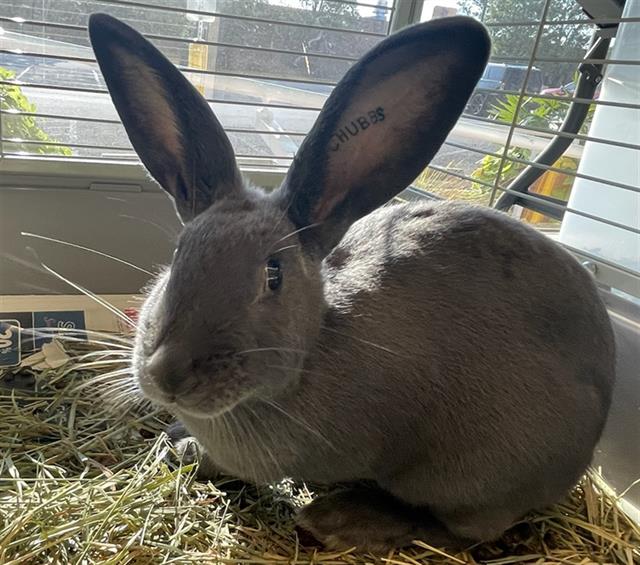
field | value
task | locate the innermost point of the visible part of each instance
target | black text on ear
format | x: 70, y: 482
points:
x: 355, y: 126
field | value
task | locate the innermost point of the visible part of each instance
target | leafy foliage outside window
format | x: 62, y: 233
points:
x: 22, y: 128
x: 535, y: 112
x: 489, y: 166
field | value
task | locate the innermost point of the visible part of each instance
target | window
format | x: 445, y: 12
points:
x: 266, y: 67
x: 494, y: 72
x: 588, y: 197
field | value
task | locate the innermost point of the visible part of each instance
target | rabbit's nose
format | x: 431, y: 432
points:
x: 164, y: 368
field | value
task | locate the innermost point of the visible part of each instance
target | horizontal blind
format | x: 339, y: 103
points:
x: 266, y: 67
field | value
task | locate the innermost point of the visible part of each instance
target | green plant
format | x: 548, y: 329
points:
x: 543, y: 113
x: 20, y: 127
x: 489, y: 166
x: 547, y: 113
x: 533, y: 112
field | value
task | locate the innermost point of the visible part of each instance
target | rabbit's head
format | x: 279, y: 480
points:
x: 242, y: 302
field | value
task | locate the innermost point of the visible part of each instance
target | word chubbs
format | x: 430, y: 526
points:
x: 355, y: 126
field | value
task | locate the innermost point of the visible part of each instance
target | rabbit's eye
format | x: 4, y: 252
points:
x: 273, y: 274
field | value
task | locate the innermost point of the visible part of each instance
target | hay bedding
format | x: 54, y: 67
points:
x: 87, y: 478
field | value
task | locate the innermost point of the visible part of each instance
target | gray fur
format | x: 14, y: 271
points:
x: 454, y: 363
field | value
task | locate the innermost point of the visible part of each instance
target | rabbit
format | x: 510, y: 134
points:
x: 443, y: 368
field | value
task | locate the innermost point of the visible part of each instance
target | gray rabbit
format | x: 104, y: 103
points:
x: 448, y: 367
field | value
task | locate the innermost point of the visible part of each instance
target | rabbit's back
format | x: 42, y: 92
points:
x: 477, y: 337
x: 459, y: 278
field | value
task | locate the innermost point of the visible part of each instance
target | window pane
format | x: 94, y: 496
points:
x: 265, y: 66
x: 476, y: 164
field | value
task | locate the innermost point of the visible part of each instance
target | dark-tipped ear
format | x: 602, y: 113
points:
x: 170, y: 125
x: 383, y: 123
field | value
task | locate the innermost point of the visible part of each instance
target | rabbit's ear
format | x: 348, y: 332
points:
x: 170, y: 125
x: 383, y: 123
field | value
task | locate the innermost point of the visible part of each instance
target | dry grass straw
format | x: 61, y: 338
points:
x: 450, y: 187
x: 82, y: 482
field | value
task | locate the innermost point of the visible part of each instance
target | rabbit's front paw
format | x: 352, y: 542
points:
x: 369, y: 520
x: 189, y: 450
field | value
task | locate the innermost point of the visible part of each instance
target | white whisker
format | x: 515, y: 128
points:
x: 228, y: 429
x: 264, y: 445
x: 171, y: 234
x: 297, y: 370
x: 116, y: 346
x: 240, y: 428
x: 94, y: 365
x: 105, y: 304
x: 282, y: 217
x: 302, y: 423
x: 39, y: 289
x: 103, y: 353
x: 24, y: 263
x: 127, y: 398
x: 107, y: 376
x: 113, y: 388
x: 366, y: 342
x: 284, y: 249
x: 105, y: 383
x: 259, y: 349
x: 71, y: 339
x: 105, y: 335
x: 117, y: 385
x: 296, y: 232
x: 83, y: 248
x: 256, y: 451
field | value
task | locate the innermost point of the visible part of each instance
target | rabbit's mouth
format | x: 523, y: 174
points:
x: 206, y: 386
x: 207, y: 407
x: 204, y: 393
x: 216, y: 393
